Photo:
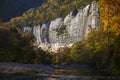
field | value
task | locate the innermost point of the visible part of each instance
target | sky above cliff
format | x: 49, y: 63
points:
x: 13, y: 8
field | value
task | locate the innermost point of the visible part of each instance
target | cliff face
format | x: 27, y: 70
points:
x: 64, y: 32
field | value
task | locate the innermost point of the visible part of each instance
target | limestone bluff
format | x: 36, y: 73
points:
x: 64, y: 32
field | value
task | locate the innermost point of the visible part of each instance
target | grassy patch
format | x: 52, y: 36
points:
x: 28, y: 72
x: 73, y: 72
x: 86, y: 73
x: 105, y: 73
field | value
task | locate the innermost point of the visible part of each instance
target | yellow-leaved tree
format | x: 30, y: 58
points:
x: 110, y: 15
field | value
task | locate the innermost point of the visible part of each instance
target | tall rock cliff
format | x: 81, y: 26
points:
x: 64, y: 32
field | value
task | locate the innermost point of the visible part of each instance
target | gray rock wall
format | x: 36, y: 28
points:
x: 64, y: 32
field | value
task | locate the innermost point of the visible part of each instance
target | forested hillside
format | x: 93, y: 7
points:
x: 13, y: 8
x: 101, y: 47
x: 51, y: 10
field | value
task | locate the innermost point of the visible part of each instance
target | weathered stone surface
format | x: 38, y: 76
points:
x: 64, y: 32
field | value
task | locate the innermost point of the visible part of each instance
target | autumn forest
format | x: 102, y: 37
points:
x: 101, y: 47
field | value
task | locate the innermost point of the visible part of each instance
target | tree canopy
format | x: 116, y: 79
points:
x: 46, y: 12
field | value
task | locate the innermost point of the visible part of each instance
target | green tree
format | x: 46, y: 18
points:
x: 64, y: 56
x: 79, y: 52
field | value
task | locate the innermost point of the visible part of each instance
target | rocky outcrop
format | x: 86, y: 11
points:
x: 64, y: 32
